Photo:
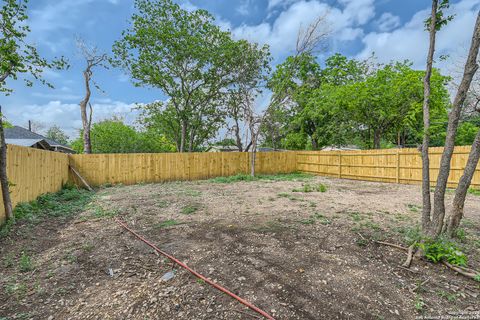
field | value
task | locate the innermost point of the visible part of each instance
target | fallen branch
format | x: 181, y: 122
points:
x: 408, y: 261
x: 392, y: 245
x: 469, y: 273
x: 419, y: 286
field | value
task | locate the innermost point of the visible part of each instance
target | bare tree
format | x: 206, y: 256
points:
x: 309, y: 40
x: 93, y: 58
x: 7, y: 201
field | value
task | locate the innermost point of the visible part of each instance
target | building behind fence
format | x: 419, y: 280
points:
x: 33, y: 172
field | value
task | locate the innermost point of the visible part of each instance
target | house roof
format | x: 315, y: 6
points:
x: 19, y: 133
x: 223, y: 148
x: 29, y: 142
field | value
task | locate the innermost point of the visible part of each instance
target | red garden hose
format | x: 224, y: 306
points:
x: 198, y: 275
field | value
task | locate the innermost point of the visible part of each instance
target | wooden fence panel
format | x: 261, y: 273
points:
x: 100, y: 169
x: 386, y: 165
x: 33, y: 172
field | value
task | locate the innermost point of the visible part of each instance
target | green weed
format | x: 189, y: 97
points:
x: 475, y: 192
x: 65, y: 203
x: 442, y: 249
x: 296, y: 176
x: 419, y: 303
x: 311, y: 188
x: 317, y: 217
x: 100, y: 212
x: 190, y: 209
x: 167, y: 223
x: 8, y: 260
x: 414, y: 207
x: 25, y: 263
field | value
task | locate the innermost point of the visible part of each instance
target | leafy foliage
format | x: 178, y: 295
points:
x: 443, y: 250
x: 57, y: 134
x: 352, y: 102
x: 16, y: 55
x: 190, y: 59
x: 113, y: 136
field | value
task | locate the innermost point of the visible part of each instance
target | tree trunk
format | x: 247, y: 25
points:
x: 183, y: 135
x: 471, y: 67
x: 7, y: 202
x: 190, y: 140
x: 314, y: 143
x: 377, y: 138
x: 456, y: 212
x: 427, y: 204
x: 238, y: 138
x: 87, y: 145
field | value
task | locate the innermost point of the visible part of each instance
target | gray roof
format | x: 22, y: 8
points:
x: 19, y: 133
x: 28, y: 142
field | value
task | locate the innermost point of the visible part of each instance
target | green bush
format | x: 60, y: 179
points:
x: 443, y: 250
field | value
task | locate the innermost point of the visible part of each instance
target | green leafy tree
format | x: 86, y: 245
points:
x: 113, y: 136
x: 17, y: 58
x: 57, y: 134
x: 185, y: 55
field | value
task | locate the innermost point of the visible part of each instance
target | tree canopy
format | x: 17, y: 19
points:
x: 189, y: 58
x: 114, y: 136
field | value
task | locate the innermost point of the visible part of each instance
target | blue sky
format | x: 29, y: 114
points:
x: 393, y: 29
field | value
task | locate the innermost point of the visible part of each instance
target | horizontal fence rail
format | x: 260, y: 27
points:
x: 385, y: 165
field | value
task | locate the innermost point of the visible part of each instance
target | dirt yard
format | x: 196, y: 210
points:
x: 293, y: 253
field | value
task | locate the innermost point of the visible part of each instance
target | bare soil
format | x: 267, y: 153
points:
x: 296, y: 255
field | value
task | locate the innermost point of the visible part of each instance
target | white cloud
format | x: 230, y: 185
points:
x: 410, y: 41
x: 387, y: 22
x: 279, y: 3
x: 67, y: 115
x: 282, y: 33
x: 244, y: 7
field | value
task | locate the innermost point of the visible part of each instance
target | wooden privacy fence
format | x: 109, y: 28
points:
x: 32, y: 172
x: 386, y: 165
x: 100, y: 169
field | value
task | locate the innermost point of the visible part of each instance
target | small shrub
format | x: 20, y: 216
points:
x: 477, y: 278
x: 443, y: 250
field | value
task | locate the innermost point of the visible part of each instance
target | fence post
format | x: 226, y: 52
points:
x: 340, y: 164
x: 398, y: 166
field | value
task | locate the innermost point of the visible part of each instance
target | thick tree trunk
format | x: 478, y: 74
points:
x: 238, y: 138
x: 87, y: 145
x: 471, y: 67
x: 7, y: 202
x: 427, y: 205
x: 456, y: 212
x: 183, y: 135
